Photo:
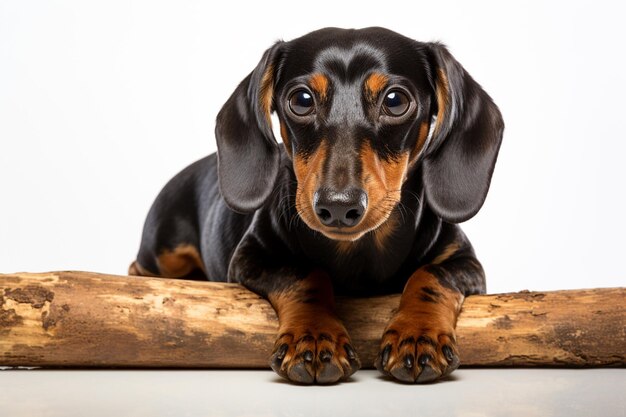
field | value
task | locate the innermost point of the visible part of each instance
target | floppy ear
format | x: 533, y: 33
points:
x: 247, y: 152
x: 466, y: 138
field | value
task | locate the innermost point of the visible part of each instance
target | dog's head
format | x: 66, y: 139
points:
x: 360, y: 111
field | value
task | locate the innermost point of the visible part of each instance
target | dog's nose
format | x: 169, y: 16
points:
x: 340, y: 209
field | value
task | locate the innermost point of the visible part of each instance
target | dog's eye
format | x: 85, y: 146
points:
x: 396, y: 103
x: 301, y: 103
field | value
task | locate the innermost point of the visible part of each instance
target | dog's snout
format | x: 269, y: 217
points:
x: 340, y: 209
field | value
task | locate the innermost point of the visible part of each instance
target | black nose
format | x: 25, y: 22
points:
x: 340, y: 209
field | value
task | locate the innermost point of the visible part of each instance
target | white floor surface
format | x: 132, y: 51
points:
x: 469, y: 393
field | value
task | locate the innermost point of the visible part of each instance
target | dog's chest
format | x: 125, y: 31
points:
x: 362, y: 268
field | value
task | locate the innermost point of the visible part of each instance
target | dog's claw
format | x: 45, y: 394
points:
x: 324, y: 358
x: 409, y: 361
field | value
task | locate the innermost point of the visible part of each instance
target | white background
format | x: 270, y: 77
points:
x: 102, y: 102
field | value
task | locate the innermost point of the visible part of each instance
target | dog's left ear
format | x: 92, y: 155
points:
x: 466, y: 138
x: 247, y: 151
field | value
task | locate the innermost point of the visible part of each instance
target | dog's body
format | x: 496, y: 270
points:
x: 209, y: 233
x: 388, y: 143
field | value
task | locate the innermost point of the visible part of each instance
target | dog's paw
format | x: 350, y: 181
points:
x: 417, y: 354
x: 314, y: 354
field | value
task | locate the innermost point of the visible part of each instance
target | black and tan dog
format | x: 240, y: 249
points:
x: 388, y: 143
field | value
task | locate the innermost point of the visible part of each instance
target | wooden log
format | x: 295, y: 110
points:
x: 81, y: 319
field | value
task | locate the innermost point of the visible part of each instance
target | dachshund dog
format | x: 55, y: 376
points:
x: 387, y: 144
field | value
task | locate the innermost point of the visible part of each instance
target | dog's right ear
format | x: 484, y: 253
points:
x: 247, y: 151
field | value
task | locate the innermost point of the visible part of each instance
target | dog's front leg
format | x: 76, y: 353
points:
x: 419, y: 343
x: 313, y: 346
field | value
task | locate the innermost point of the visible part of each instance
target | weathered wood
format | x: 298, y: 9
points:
x: 82, y: 319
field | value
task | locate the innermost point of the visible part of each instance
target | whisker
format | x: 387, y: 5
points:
x: 284, y: 206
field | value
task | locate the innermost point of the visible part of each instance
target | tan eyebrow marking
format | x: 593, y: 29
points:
x: 375, y: 83
x: 319, y: 83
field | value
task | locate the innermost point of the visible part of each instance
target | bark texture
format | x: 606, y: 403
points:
x: 83, y: 319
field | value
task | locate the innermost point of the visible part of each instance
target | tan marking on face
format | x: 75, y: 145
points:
x: 266, y: 92
x: 375, y: 83
x: 285, y: 136
x: 307, y: 169
x: 382, y: 181
x: 384, y: 232
x: 319, y: 84
x: 180, y: 261
x: 344, y: 247
x: 448, y: 251
x: 421, y: 140
x: 442, y: 98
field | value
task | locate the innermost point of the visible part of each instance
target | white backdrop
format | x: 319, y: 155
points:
x: 102, y: 102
